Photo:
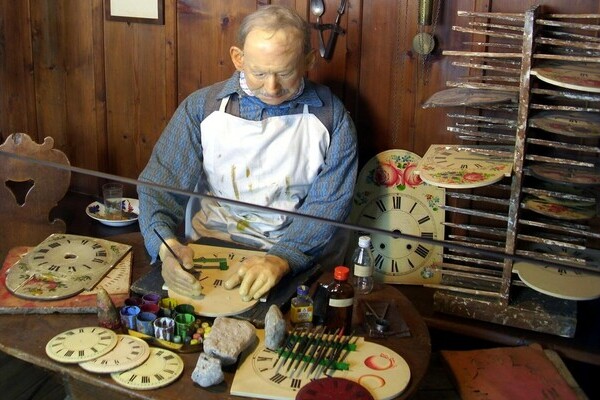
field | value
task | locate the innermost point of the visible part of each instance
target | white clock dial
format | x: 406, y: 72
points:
x: 81, y: 344
x: 128, y: 353
x: 160, y: 369
x: 402, y: 214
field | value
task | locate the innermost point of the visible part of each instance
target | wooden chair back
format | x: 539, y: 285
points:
x: 29, y: 191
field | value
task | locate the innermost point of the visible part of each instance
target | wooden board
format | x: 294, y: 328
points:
x: 509, y: 373
x: 82, y: 303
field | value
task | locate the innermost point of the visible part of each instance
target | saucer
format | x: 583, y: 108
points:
x: 130, y: 209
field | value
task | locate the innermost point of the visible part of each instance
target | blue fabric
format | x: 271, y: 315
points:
x: 176, y: 162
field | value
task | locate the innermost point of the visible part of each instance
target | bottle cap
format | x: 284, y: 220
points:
x: 302, y: 290
x: 341, y: 273
x: 364, y: 241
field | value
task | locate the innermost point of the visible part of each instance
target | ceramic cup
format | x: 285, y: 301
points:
x: 129, y: 315
x: 144, y: 323
x: 149, y: 307
x: 184, y: 323
x: 150, y: 298
x: 167, y: 307
x: 164, y: 328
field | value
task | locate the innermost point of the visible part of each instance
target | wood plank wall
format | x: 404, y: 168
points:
x: 105, y: 89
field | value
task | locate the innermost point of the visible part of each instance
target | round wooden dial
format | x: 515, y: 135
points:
x: 405, y: 214
x: 62, y: 266
x: 127, y: 354
x: 81, y: 344
x: 160, y: 369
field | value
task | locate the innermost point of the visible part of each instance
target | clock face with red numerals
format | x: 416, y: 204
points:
x: 62, y: 266
x: 390, y: 196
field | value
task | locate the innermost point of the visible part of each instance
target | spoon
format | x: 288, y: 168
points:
x: 318, y: 8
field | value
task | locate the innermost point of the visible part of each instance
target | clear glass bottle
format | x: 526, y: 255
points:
x: 340, y: 298
x: 363, y: 266
x: 301, y: 309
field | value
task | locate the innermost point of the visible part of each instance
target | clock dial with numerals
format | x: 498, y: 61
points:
x: 215, y: 265
x: 391, y: 197
x: 160, y: 369
x: 465, y: 167
x: 81, y: 344
x: 128, y: 353
x: 377, y: 368
x: 403, y: 214
x: 62, y: 266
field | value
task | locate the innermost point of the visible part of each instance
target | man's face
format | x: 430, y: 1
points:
x: 273, y: 64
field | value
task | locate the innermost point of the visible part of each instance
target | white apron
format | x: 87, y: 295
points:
x: 270, y: 163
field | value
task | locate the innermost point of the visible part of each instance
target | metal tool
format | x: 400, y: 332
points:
x: 381, y: 323
x: 286, y: 345
x: 317, y: 7
x: 335, y: 31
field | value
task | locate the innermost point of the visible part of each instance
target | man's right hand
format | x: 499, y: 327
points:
x: 176, y: 277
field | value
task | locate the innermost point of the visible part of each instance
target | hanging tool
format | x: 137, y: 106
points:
x: 335, y: 31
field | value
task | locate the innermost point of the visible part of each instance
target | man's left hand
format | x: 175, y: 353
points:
x: 257, y: 275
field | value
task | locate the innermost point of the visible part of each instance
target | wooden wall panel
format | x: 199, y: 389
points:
x: 140, y: 94
x: 17, y: 105
x: 64, y: 60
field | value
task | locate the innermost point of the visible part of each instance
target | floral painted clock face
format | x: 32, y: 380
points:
x: 465, y: 167
x: 63, y: 266
x: 390, y: 196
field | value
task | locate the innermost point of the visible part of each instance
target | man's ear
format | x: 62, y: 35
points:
x: 237, y: 57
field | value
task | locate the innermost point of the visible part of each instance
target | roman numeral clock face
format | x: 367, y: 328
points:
x: 390, y: 196
x: 406, y: 215
x: 63, y: 266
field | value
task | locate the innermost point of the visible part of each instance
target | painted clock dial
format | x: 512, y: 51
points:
x: 128, y: 353
x: 160, y: 369
x: 62, y: 266
x: 383, y: 372
x: 465, y: 167
x: 214, y: 265
x: 81, y: 344
x: 390, y: 196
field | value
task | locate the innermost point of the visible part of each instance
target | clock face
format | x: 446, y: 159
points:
x: 213, y: 265
x: 81, y: 344
x: 402, y: 214
x: 63, y: 266
x: 390, y: 196
x: 160, y: 369
x: 465, y: 167
x: 383, y: 372
x: 128, y: 353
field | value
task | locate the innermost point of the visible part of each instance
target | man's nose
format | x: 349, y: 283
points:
x: 272, y: 83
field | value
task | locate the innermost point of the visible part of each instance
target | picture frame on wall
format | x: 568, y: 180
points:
x: 136, y: 11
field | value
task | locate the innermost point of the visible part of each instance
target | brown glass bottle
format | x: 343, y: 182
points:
x: 340, y: 298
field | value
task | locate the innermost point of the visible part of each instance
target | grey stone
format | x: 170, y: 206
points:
x: 228, y: 338
x: 208, y: 371
x: 275, y: 328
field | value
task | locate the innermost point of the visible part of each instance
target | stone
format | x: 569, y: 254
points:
x: 108, y: 316
x: 275, y: 328
x: 208, y: 371
x: 228, y: 338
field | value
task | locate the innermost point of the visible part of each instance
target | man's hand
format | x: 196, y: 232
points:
x: 257, y: 275
x: 177, y: 278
